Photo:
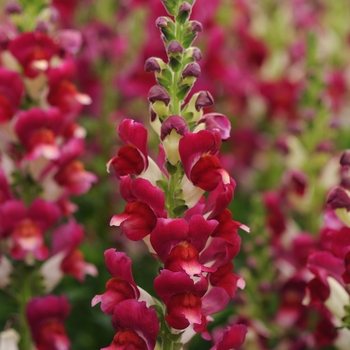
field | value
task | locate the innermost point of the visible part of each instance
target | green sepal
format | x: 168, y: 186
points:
x: 177, y: 346
x: 192, y: 125
x: 161, y: 109
x: 183, y: 91
x: 188, y: 37
x: 171, y: 169
x: 159, y: 310
x: 171, y: 6
x: 164, y: 78
x: 183, y: 16
x: 175, y: 63
x: 180, y: 210
x: 174, y: 337
x: 168, y: 31
x: 178, y: 192
x: 187, y: 116
x: 163, y: 185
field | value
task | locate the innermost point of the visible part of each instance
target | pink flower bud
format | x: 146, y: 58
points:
x: 192, y: 70
x: 157, y: 93
x: 204, y: 99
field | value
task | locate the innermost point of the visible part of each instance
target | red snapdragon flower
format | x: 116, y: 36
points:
x: 121, y: 287
x: 11, y: 93
x: 136, y: 324
x: 182, y: 296
x: 132, y: 158
x: 38, y: 130
x: 198, y: 154
x: 67, y: 238
x: 31, y: 49
x: 145, y: 204
x: 46, y: 316
x: 231, y: 338
x: 25, y: 228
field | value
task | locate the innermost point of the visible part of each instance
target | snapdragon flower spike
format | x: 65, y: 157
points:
x: 132, y: 158
x: 145, y: 204
x: 46, y: 318
x: 121, y: 287
x: 11, y: 94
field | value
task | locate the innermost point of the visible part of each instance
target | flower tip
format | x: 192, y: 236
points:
x: 241, y: 283
x: 244, y: 228
x: 95, y: 300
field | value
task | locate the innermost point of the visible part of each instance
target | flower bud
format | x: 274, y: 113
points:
x: 189, y: 75
x: 152, y: 65
x: 193, y: 111
x: 13, y: 8
x: 190, y: 33
x: 191, y: 70
x: 175, y: 51
x: 174, y: 122
x: 175, y: 48
x: 167, y: 27
x: 338, y: 198
x: 160, y: 100
x: 157, y: 93
x: 204, y: 99
x: 345, y: 158
x: 192, y: 54
x: 184, y: 12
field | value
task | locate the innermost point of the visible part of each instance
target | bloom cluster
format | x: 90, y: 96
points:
x: 193, y: 236
x: 39, y: 172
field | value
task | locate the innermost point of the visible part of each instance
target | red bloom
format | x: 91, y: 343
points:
x: 197, y: 153
x: 132, y: 158
x: 146, y: 203
x: 26, y: 227
x: 38, y: 129
x: 121, y: 287
x: 30, y: 48
x: 137, y: 326
x: 231, y: 338
x: 182, y: 296
x: 11, y: 93
x: 45, y: 317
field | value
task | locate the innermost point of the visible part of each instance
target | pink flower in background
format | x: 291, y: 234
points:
x: 25, y: 228
x: 38, y: 131
x: 34, y: 51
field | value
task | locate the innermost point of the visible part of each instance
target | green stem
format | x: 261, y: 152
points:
x: 171, y: 200
x: 23, y: 296
x: 176, y: 103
